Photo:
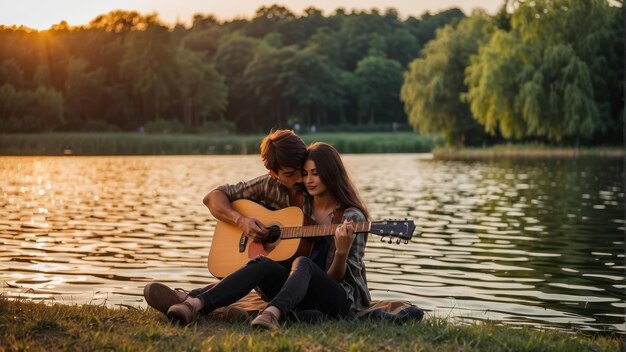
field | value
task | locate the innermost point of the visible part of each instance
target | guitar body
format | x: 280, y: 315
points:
x: 230, y: 249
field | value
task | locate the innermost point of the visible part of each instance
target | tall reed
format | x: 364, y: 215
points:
x: 158, y: 144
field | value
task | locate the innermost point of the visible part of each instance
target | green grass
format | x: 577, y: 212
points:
x: 525, y: 151
x: 159, y: 144
x: 25, y: 325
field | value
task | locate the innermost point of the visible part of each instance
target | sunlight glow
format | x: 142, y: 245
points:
x: 41, y: 15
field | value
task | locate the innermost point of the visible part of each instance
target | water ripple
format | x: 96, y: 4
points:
x: 525, y: 242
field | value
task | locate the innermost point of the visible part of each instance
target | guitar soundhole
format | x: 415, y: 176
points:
x: 274, y: 234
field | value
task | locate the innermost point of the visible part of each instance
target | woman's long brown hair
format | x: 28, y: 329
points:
x: 334, y: 175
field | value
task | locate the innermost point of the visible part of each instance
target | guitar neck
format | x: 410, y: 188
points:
x: 320, y: 230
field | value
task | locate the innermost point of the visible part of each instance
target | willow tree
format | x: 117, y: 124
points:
x: 492, y: 86
x: 545, y: 77
x: 434, y: 84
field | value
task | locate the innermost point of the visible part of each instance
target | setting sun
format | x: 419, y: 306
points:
x: 41, y: 15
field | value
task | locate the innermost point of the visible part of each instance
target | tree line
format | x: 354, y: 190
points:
x: 544, y: 70
x: 548, y: 70
x: 126, y: 70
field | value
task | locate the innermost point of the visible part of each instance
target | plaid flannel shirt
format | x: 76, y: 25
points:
x: 264, y: 189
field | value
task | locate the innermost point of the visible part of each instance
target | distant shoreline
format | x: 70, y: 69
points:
x: 118, y: 143
x: 51, y: 144
x: 530, y: 152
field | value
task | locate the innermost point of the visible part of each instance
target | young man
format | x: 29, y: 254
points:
x: 283, y: 153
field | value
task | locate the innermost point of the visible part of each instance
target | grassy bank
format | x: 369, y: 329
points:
x: 38, y: 327
x: 525, y: 151
x: 155, y: 144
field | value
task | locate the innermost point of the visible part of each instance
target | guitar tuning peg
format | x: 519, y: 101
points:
x: 390, y: 240
x: 406, y: 241
x: 398, y: 241
x: 382, y: 238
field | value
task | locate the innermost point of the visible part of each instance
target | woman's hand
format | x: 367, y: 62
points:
x: 344, y: 235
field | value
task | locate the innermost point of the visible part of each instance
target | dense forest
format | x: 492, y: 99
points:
x: 547, y: 70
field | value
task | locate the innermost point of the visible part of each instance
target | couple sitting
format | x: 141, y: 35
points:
x: 331, y: 280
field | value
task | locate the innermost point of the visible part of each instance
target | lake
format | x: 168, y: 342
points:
x: 535, y: 242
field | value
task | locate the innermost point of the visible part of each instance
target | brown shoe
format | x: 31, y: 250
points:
x: 266, y: 320
x: 235, y: 314
x: 182, y: 313
x: 161, y: 297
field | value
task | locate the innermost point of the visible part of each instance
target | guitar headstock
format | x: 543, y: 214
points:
x: 401, y: 230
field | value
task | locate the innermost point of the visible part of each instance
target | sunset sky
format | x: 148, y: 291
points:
x: 41, y: 14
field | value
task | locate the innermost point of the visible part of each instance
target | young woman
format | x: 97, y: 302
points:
x: 332, y: 280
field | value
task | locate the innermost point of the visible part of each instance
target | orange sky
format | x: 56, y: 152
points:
x: 41, y: 14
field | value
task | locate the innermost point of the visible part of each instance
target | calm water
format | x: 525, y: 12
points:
x: 537, y: 242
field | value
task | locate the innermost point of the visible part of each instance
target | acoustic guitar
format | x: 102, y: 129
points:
x: 289, y: 236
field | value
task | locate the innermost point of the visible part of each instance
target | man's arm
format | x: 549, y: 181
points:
x: 220, y: 208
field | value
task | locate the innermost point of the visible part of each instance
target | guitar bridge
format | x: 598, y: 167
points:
x: 242, y: 243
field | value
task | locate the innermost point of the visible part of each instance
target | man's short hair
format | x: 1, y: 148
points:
x: 282, y: 148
